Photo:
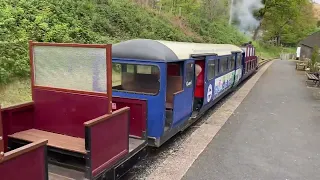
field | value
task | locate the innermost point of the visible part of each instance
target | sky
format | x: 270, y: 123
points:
x: 317, y: 1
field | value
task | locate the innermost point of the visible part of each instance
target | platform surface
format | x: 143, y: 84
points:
x: 54, y: 140
x: 273, y: 134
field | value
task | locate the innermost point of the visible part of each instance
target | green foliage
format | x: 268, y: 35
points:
x: 287, y: 21
x: 268, y: 51
x: 83, y: 21
x: 98, y: 21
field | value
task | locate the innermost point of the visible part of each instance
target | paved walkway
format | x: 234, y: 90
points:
x: 272, y: 135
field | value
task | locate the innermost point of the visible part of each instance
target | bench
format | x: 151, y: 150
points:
x: 75, y: 124
x: 313, y: 78
x: 301, y: 66
x: 28, y: 160
x: 55, y: 140
x: 174, y: 85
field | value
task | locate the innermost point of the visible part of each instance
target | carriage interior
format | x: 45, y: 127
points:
x: 30, y: 159
x: 76, y: 120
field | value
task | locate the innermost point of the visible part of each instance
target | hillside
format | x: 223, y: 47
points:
x: 93, y: 21
x: 97, y: 21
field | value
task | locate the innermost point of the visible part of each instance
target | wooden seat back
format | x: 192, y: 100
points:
x: 174, y: 85
x: 65, y: 112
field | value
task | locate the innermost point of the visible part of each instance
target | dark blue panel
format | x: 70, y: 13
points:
x: 182, y: 102
x: 182, y: 107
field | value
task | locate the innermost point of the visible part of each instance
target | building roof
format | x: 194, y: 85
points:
x: 147, y: 49
x: 312, y: 40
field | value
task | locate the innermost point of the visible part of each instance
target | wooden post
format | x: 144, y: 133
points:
x: 1, y: 139
x: 160, y: 8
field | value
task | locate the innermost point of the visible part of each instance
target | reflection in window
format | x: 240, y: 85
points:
x: 239, y: 60
x: 211, y: 70
x: 135, y: 78
x: 216, y: 71
x: 231, y: 62
x: 223, y: 65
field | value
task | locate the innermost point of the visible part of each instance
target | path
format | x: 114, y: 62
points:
x: 272, y: 135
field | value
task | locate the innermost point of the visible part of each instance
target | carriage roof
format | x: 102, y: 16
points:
x: 147, y: 49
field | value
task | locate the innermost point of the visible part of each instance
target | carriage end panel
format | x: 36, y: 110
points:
x: 16, y: 118
x: 107, y: 141
x: 30, y: 165
x: 138, y: 114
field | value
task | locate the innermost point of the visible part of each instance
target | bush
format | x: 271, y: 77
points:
x: 89, y: 21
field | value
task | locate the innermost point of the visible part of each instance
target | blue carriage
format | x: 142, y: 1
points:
x: 162, y: 73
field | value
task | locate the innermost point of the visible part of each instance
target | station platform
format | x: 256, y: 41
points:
x: 273, y: 133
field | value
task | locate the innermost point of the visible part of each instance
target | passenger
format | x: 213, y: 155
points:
x: 199, y: 89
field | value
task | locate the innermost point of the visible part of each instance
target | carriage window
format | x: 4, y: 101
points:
x: 135, y: 78
x: 223, y: 65
x: 231, y: 62
x: 211, y: 70
x: 239, y: 58
x: 216, y: 70
x: 189, y: 74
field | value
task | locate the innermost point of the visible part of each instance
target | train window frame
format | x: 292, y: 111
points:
x: 189, y: 77
x: 135, y: 71
x: 213, y: 75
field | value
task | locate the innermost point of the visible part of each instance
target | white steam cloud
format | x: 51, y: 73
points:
x: 242, y: 12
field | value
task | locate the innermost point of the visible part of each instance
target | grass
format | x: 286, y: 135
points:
x: 16, y: 92
x: 271, y: 52
x: 19, y: 91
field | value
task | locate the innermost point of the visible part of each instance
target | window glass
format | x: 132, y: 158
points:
x: 211, y: 70
x: 216, y: 71
x: 189, y: 74
x: 135, y: 78
x: 223, y: 65
x: 231, y: 62
x: 74, y: 68
x: 239, y: 60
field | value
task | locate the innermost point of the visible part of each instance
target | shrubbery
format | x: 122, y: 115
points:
x: 88, y: 21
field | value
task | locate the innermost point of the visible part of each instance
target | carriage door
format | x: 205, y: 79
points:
x: 211, y: 69
x: 189, y: 82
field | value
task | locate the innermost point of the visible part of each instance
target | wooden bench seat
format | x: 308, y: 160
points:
x: 312, y: 77
x: 55, y: 140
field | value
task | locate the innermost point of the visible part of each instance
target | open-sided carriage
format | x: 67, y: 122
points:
x: 86, y: 139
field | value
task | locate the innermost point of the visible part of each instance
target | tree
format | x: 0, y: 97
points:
x: 287, y: 21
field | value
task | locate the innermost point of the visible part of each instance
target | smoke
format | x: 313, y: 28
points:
x: 242, y: 11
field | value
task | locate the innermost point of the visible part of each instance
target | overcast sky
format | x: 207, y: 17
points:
x: 317, y: 1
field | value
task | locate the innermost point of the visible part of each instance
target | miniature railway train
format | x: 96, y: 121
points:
x: 95, y: 108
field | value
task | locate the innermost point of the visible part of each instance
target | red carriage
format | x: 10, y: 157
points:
x: 85, y: 138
